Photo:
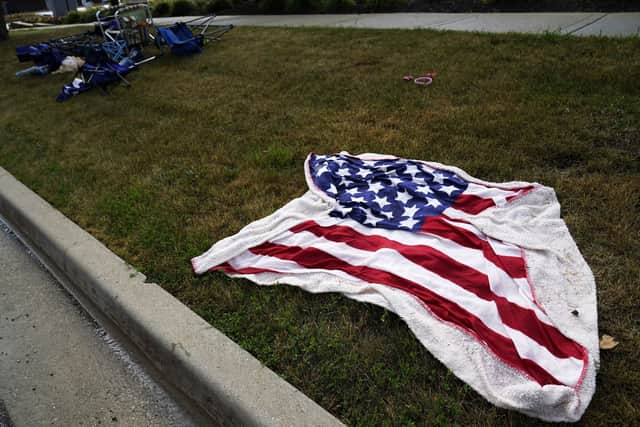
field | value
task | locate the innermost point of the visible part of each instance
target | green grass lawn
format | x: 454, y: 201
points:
x: 199, y: 147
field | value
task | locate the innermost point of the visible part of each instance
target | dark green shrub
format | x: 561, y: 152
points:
x: 88, y: 15
x: 183, y: 8
x: 340, y: 5
x: 214, y: 6
x: 385, y: 5
x: 271, y: 5
x: 161, y: 8
x: 4, y: 32
x: 298, y: 6
x: 200, y: 7
x: 73, y: 17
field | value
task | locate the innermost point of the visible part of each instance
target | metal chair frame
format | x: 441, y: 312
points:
x: 130, y: 31
x: 203, y: 26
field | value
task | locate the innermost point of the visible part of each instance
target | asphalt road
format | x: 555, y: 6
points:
x: 57, y: 366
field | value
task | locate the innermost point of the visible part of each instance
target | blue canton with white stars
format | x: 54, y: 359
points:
x: 393, y: 194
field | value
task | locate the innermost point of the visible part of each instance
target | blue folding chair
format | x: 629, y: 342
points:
x: 181, y: 40
x: 188, y: 38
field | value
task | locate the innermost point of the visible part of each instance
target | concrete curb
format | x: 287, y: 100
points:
x: 213, y: 372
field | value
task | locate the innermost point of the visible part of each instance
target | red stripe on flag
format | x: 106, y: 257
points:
x: 227, y: 268
x: 513, y: 266
x: 472, y: 204
x: 442, y: 308
x: 515, y: 316
x: 521, y: 192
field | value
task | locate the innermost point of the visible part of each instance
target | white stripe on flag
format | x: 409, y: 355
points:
x: 516, y: 291
x: 390, y: 261
x: 498, y: 195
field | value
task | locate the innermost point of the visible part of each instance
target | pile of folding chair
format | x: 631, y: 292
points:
x: 118, y: 45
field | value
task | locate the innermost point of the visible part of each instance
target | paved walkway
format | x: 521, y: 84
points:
x: 57, y: 367
x: 579, y: 24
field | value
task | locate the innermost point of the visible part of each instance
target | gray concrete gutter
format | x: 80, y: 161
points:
x: 213, y: 372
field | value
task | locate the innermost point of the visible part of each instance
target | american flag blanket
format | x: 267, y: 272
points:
x: 485, y: 275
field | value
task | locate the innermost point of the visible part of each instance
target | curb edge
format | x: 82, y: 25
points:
x: 212, y: 371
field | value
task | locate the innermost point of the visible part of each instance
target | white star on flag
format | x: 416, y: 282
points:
x: 388, y: 214
x: 412, y: 170
x: 424, y: 191
x: 323, y: 169
x: 410, y: 211
x: 382, y: 202
x: 448, y: 189
x: 376, y: 186
x: 404, y: 197
x: 372, y: 219
x: 363, y: 173
x: 433, y: 202
x: 409, y: 223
